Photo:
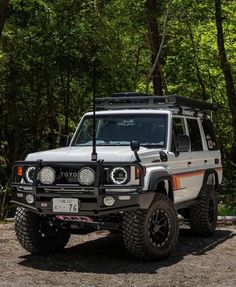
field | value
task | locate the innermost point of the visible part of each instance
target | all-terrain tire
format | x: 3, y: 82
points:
x: 28, y: 232
x: 143, y: 230
x: 203, y: 216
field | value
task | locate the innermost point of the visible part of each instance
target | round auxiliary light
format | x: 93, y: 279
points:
x: 47, y: 175
x: 29, y: 198
x: 29, y: 174
x: 119, y: 175
x: 109, y: 200
x: 86, y: 176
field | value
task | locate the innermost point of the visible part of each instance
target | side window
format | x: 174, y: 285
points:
x: 195, y: 135
x: 209, y: 134
x: 178, y: 128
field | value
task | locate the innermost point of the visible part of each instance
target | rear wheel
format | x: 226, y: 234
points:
x: 203, y: 216
x: 151, y: 233
x: 36, y: 234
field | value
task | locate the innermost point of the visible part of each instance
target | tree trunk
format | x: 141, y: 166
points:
x: 155, y: 40
x: 67, y: 100
x: 225, y: 65
x: 3, y: 12
x: 195, y: 59
x: 12, y: 121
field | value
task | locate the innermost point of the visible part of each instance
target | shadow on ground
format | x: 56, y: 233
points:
x: 107, y: 255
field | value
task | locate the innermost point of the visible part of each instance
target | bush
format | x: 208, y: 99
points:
x: 5, y: 205
x: 229, y: 180
x: 228, y: 190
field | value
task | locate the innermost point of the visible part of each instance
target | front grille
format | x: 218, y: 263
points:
x: 66, y: 179
x: 68, y: 175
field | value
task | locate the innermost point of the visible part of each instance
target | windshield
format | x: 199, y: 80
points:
x: 149, y: 130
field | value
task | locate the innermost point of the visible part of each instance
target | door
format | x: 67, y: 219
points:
x: 179, y: 163
x: 198, y: 156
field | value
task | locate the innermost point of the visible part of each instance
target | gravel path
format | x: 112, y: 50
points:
x: 99, y: 259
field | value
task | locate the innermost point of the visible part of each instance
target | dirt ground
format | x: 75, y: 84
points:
x: 99, y: 259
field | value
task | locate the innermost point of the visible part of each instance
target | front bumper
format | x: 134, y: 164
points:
x: 92, y: 206
x: 90, y: 198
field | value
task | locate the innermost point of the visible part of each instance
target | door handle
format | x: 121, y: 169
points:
x: 189, y: 162
x: 205, y: 160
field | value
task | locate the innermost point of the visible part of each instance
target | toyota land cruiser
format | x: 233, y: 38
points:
x: 151, y: 158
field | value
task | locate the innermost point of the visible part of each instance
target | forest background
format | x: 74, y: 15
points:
x: 48, y: 50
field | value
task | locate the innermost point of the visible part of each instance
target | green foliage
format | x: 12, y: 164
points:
x: 228, y: 191
x: 229, y: 182
x: 49, y: 49
x: 225, y: 210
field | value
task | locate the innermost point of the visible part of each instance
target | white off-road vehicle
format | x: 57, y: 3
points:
x: 130, y: 167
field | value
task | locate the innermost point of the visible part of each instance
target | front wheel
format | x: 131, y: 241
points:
x: 151, y: 233
x: 36, y: 235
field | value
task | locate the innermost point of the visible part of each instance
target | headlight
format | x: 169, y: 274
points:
x: 86, y: 176
x: 47, y: 175
x: 119, y: 175
x: 29, y: 174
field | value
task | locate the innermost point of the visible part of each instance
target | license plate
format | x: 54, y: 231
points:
x: 68, y: 205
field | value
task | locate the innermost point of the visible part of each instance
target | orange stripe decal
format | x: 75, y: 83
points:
x: 219, y: 169
x: 191, y: 173
x: 176, y: 182
x: 176, y: 179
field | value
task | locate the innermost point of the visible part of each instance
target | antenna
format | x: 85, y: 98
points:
x: 94, y: 155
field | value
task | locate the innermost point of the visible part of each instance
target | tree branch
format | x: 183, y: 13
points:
x: 3, y: 12
x: 160, y: 48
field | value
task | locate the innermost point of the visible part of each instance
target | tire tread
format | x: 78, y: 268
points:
x: 134, y: 231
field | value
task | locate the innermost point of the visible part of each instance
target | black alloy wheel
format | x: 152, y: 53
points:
x: 159, y: 228
x: 151, y: 233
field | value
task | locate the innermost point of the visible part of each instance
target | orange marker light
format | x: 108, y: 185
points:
x: 20, y: 170
x: 138, y: 172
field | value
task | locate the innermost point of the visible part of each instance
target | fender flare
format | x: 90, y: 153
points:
x: 159, y: 176
x: 207, y: 173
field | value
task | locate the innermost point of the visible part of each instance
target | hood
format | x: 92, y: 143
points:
x: 83, y: 154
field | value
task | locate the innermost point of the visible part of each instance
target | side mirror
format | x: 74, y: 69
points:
x: 182, y: 143
x: 64, y: 141
x: 135, y: 146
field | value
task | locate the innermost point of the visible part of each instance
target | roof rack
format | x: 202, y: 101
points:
x: 129, y: 94
x: 143, y: 101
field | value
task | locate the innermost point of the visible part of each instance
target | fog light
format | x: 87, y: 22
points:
x: 86, y: 176
x: 29, y: 198
x: 47, y: 175
x: 109, y: 200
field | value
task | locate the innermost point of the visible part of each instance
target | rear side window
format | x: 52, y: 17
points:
x: 195, y: 135
x: 178, y: 128
x: 209, y: 134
